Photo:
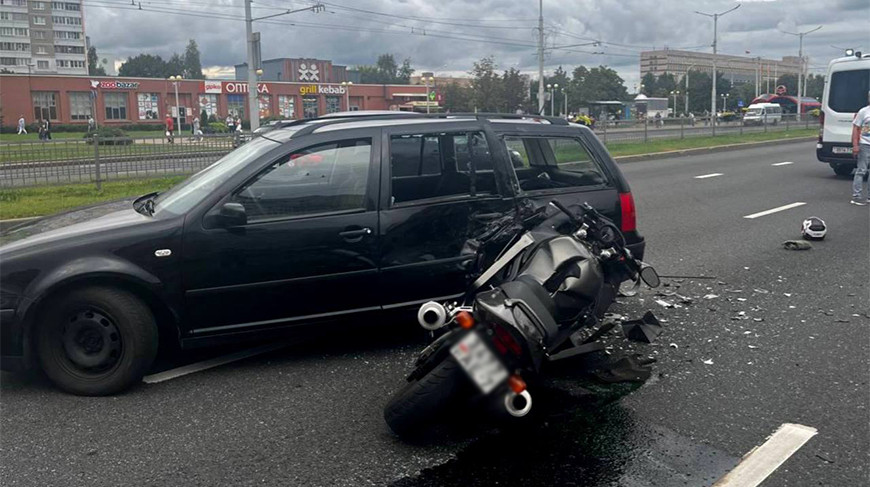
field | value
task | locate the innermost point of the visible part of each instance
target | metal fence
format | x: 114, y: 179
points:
x: 99, y: 160
x: 102, y: 159
x: 614, y: 132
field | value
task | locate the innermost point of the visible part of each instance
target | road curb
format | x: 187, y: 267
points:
x: 709, y: 150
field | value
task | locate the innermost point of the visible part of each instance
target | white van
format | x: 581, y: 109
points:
x: 763, y: 113
x: 846, y: 88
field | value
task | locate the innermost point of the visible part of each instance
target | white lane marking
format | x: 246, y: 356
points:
x: 764, y: 459
x: 774, y: 210
x: 711, y: 175
x: 786, y: 163
x: 210, y: 363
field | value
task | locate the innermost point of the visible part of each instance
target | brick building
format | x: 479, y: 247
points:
x: 73, y: 99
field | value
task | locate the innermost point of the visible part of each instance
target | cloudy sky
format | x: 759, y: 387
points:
x: 446, y: 36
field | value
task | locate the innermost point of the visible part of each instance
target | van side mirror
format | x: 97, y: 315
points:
x: 232, y: 215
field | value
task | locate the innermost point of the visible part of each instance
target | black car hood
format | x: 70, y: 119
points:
x: 72, y: 223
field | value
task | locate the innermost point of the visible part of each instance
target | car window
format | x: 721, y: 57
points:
x: 543, y: 163
x: 438, y: 165
x: 848, y: 91
x: 320, y: 179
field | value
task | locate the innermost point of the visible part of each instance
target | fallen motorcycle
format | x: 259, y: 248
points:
x: 556, y: 276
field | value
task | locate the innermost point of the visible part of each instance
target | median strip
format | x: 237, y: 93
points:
x: 775, y: 210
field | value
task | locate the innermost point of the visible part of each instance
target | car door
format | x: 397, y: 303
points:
x: 308, y: 249
x: 440, y: 182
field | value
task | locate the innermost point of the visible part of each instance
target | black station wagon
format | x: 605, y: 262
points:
x: 317, y: 220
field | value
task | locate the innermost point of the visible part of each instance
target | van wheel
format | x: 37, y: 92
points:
x: 96, y: 341
x: 842, y: 170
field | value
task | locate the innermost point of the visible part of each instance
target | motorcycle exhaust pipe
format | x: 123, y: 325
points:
x: 432, y: 316
x: 518, y: 405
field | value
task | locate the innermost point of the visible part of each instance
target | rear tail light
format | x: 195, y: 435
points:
x: 821, y: 124
x: 626, y: 205
x: 517, y: 384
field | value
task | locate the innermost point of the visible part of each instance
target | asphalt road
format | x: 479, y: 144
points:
x: 310, y: 414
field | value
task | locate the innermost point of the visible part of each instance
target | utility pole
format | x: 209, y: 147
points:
x: 800, y: 35
x: 253, y: 100
x: 540, y: 56
x: 715, y: 17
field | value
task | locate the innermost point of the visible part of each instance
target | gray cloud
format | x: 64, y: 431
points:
x: 626, y: 27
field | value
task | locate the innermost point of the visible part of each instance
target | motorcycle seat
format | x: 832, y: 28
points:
x: 537, y: 298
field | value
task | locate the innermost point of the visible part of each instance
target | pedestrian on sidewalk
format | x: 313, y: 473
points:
x: 41, y: 127
x: 692, y: 119
x: 21, y: 128
x: 231, y: 126
x: 197, y: 133
x: 92, y: 124
x: 861, y: 150
x: 47, y: 129
x: 170, y: 126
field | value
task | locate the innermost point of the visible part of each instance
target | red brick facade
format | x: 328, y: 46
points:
x: 72, y: 99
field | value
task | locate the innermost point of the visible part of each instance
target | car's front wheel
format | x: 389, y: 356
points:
x: 96, y: 341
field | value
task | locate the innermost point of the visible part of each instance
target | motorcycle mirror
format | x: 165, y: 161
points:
x: 650, y: 276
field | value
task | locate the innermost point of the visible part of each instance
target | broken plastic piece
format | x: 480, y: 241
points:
x: 708, y: 362
x: 797, y: 245
x: 645, y: 329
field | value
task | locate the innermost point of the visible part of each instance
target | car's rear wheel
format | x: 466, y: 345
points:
x: 842, y: 170
x: 96, y: 341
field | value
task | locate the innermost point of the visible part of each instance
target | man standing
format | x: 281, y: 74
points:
x: 861, y: 150
x: 21, y: 129
x: 230, y: 125
x: 47, y: 129
x: 170, y: 126
x: 197, y: 133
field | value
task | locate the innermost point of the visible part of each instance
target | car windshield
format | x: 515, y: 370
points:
x: 754, y: 111
x: 187, y: 194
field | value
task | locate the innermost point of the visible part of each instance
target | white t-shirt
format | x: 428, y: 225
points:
x: 862, y: 119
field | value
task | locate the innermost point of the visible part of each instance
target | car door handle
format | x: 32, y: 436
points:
x: 355, y: 235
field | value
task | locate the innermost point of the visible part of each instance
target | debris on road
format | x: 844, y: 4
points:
x: 797, y: 245
x: 664, y: 303
x: 645, y: 329
x: 707, y: 362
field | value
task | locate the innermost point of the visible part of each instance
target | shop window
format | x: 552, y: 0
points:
x: 116, y: 106
x: 45, y: 105
x: 208, y: 103
x: 80, y: 106
x: 265, y: 104
x: 309, y: 107
x: 236, y: 105
x: 287, y: 106
x: 333, y: 104
x: 148, y: 106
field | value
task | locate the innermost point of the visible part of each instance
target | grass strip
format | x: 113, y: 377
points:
x: 655, y: 145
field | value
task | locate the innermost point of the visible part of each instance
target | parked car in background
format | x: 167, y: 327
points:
x: 317, y: 221
x: 762, y: 114
x: 846, y: 86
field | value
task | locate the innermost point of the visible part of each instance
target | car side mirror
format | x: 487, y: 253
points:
x: 232, y: 215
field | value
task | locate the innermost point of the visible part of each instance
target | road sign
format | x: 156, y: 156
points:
x: 739, y: 103
x: 432, y: 96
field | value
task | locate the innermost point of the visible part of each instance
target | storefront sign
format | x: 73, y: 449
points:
x: 211, y: 87
x: 241, y: 87
x: 322, y: 90
x: 114, y: 85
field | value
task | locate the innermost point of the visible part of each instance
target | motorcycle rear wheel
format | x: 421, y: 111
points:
x: 414, y: 406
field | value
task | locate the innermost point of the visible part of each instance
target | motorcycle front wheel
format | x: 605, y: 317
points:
x: 414, y: 406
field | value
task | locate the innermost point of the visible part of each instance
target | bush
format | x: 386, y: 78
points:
x: 217, y: 128
x: 109, y: 136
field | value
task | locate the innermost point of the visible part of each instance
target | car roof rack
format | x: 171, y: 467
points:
x: 313, y: 124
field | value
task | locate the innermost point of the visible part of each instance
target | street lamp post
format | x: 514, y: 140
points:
x: 552, y: 89
x: 725, y: 101
x: 715, y: 17
x: 426, y: 81
x: 675, y: 94
x: 175, y: 80
x: 801, y: 68
x: 565, y: 94
x: 347, y: 85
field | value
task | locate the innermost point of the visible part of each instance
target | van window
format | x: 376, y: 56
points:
x: 439, y: 165
x: 553, y: 162
x: 848, y: 91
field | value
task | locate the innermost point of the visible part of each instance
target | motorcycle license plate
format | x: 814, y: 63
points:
x: 841, y: 150
x: 479, y: 362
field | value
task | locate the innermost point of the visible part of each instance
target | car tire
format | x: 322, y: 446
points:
x: 96, y: 341
x: 842, y: 170
x: 419, y: 401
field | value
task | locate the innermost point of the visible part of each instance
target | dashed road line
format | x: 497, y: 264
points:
x: 786, y: 163
x: 210, y: 363
x: 775, y: 210
x: 764, y: 459
x: 711, y: 175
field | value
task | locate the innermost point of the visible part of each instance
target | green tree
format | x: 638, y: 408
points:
x: 143, y: 66
x: 456, y: 98
x: 191, y: 62
x: 94, y: 68
x: 648, y: 84
x: 386, y: 71
x: 486, y: 89
x: 514, y: 92
x: 403, y: 76
x: 815, y: 86
x: 665, y: 84
x: 368, y: 74
x: 387, y: 68
x: 174, y: 67
x: 790, y: 82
